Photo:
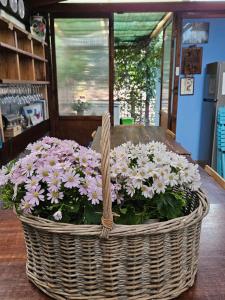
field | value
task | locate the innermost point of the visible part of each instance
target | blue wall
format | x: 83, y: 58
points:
x: 190, y: 107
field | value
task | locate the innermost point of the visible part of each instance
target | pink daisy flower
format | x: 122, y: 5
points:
x: 55, y: 196
x: 71, y: 180
x: 26, y: 206
x: 35, y: 196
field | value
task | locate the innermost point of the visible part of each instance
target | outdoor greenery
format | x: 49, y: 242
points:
x: 136, y: 74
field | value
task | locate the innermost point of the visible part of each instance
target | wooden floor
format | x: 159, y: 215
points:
x: 210, y: 282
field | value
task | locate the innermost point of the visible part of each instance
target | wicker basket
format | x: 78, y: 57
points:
x: 149, y: 261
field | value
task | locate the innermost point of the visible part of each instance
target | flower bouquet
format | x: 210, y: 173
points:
x: 59, y: 191
x: 58, y: 180
x: 61, y: 180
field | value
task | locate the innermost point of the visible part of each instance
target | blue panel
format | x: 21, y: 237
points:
x: 191, y: 132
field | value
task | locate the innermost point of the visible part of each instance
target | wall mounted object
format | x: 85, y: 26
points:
x: 38, y: 27
x: 195, y: 33
x: 4, y: 2
x: 13, y: 5
x: 187, y: 86
x: 21, y: 9
x: 191, y: 60
x: 15, y: 8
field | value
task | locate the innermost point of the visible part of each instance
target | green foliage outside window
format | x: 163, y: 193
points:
x: 136, y: 73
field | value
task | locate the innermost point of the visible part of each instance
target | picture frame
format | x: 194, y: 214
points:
x: 195, y: 33
x: 191, y: 60
x: 34, y: 113
x: 187, y: 86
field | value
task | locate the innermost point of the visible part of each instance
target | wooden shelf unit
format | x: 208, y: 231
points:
x: 22, y: 61
x: 22, y: 51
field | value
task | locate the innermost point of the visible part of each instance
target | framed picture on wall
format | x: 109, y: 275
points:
x: 195, y: 33
x: 187, y: 86
x: 191, y: 60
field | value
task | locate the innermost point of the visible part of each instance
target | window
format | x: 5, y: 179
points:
x: 82, y: 58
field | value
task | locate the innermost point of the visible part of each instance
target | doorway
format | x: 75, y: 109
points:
x: 138, y: 51
x: 86, y: 52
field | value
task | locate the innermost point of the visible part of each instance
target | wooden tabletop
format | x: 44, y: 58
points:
x: 139, y: 134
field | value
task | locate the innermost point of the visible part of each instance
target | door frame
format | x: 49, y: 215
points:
x: 173, y: 77
x: 171, y: 20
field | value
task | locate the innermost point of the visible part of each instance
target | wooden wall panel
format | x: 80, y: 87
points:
x: 78, y: 129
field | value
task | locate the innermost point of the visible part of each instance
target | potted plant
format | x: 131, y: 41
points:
x: 59, y: 191
x: 80, y: 105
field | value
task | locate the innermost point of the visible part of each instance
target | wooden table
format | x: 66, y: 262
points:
x: 139, y: 134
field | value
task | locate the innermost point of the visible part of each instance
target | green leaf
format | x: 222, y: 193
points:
x: 130, y: 216
x: 74, y: 208
x: 170, y: 205
x: 91, y: 216
x: 123, y: 210
x: 6, y: 195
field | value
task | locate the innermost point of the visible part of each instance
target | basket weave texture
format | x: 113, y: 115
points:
x: 136, y: 262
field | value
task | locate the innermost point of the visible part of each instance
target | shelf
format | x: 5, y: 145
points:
x: 9, y: 81
x: 40, y: 71
x: 29, y: 35
x: 22, y: 62
x: 27, y: 130
x: 39, y: 58
x: 7, y: 35
x: 14, y: 146
x: 38, y: 49
x: 9, y: 65
x: 22, y: 52
x: 26, y: 68
x: 23, y: 42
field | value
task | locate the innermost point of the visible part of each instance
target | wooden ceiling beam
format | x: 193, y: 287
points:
x: 40, y: 3
x: 161, y: 25
x: 80, y: 8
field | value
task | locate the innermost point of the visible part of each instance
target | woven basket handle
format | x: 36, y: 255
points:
x: 107, y: 218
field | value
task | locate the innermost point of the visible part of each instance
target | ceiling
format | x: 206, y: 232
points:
x: 129, y: 28
x: 133, y: 27
x: 49, y: 2
x: 42, y: 3
x: 39, y: 3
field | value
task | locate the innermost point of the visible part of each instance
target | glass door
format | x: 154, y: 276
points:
x: 82, y: 60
